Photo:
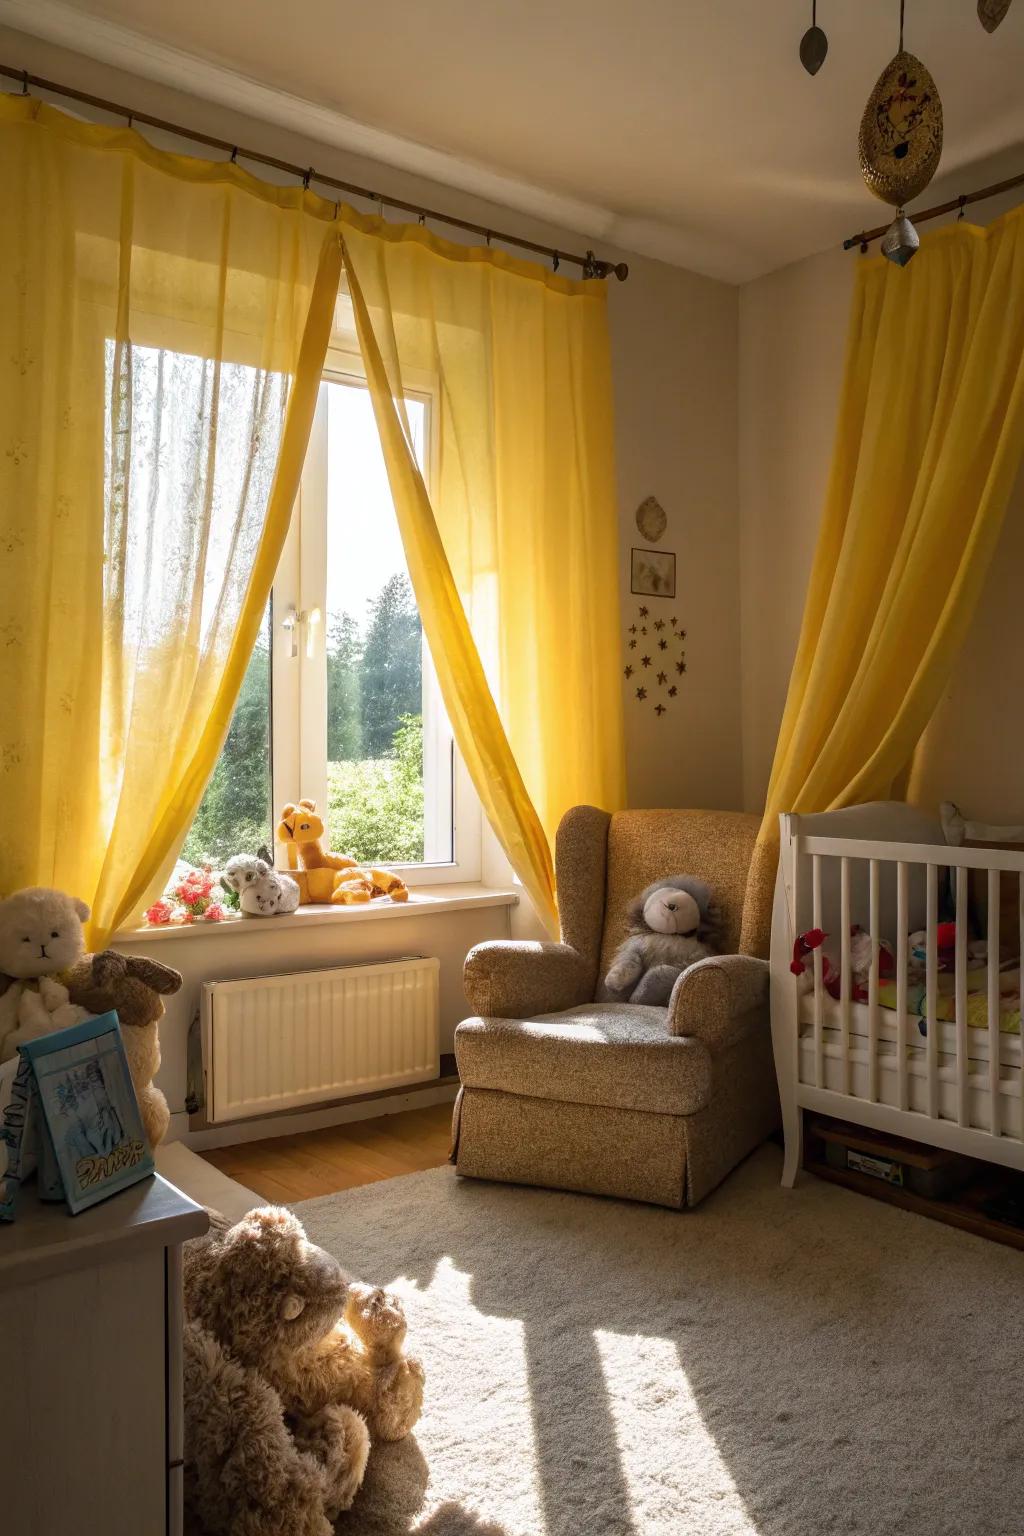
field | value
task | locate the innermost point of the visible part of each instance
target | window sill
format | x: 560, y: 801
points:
x: 424, y: 901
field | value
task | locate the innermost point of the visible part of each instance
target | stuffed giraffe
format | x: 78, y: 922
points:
x: 330, y: 877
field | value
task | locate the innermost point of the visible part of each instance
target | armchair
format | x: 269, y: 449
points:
x: 565, y: 1089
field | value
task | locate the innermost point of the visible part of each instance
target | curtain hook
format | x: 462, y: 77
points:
x: 234, y: 155
x: 554, y: 261
x: 380, y: 206
x: 131, y: 119
x: 422, y: 218
x: 961, y: 200
x: 337, y: 210
x: 307, y: 177
x: 24, y: 82
x: 487, y: 236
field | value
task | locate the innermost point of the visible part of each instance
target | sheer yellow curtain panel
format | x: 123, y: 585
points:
x: 165, y: 321
x: 929, y: 440
x: 514, y: 554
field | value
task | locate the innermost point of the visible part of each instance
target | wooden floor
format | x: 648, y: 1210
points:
x: 287, y: 1168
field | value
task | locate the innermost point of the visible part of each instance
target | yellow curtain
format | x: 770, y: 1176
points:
x: 165, y: 321
x: 514, y: 554
x: 930, y: 435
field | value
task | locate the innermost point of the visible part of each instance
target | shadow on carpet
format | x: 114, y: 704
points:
x: 779, y: 1362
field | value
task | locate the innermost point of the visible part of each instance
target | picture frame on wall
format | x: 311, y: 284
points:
x: 653, y: 572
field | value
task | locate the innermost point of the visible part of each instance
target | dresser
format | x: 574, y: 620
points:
x: 90, y: 1364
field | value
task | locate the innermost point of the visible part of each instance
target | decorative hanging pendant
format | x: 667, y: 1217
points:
x: 901, y: 240
x: 901, y: 131
x: 992, y: 12
x: 813, y: 44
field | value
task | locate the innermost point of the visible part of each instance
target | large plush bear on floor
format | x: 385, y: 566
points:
x: 290, y: 1371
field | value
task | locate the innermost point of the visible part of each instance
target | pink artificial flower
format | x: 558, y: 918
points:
x: 214, y: 913
x: 159, y: 912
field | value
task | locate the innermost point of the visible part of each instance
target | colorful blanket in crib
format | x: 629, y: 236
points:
x: 945, y: 1001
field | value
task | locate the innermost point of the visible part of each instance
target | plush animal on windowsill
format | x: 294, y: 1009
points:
x: 290, y: 1371
x: 40, y: 937
x: 672, y: 924
x: 330, y: 877
x: 268, y: 895
x: 135, y: 989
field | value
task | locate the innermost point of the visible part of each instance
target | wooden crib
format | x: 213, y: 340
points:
x: 941, y: 1063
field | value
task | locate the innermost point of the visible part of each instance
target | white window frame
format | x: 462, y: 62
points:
x: 299, y: 662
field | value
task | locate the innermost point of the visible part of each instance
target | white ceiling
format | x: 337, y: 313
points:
x: 683, y: 129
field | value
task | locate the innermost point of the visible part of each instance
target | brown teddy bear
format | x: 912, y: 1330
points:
x: 135, y: 988
x: 290, y: 1369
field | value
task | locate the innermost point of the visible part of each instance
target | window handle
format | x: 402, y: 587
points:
x: 290, y: 624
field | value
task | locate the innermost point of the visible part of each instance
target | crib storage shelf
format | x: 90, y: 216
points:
x: 988, y: 1190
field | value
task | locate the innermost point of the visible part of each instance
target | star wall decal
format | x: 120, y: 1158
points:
x: 634, y: 632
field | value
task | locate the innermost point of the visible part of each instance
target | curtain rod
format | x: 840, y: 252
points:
x: 593, y: 266
x: 866, y: 236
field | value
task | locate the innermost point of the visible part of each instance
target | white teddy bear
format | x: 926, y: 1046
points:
x: 40, y: 937
x: 268, y: 894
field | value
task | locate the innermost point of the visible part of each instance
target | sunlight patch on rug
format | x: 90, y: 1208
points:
x: 652, y: 1404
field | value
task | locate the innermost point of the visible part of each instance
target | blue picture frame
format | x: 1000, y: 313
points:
x: 89, y: 1110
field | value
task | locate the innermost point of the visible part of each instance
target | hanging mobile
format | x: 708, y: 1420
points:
x: 814, y: 44
x: 901, y: 142
x: 991, y: 13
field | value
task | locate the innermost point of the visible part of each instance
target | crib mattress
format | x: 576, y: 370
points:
x: 888, y: 1024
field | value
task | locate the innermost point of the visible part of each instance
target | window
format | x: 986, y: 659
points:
x: 340, y: 701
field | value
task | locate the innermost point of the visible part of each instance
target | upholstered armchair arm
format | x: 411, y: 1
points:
x: 505, y: 979
x: 712, y: 999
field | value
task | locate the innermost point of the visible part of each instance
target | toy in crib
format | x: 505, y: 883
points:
x: 831, y: 966
x: 330, y: 877
x: 945, y: 950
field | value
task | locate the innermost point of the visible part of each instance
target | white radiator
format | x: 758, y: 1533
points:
x: 292, y: 1041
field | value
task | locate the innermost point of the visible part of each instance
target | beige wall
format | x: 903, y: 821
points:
x: 792, y: 332
x: 674, y: 362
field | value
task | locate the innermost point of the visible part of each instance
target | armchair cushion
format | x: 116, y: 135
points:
x: 616, y: 1055
x: 509, y: 980
x: 718, y: 999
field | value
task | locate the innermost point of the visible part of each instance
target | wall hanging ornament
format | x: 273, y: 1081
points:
x: 651, y: 519
x: 813, y: 44
x: 655, y: 659
x: 992, y: 12
x: 901, y: 142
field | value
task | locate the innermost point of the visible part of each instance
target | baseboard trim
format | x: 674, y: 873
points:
x: 240, y: 1131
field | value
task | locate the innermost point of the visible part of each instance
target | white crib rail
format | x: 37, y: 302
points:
x: 931, y: 1089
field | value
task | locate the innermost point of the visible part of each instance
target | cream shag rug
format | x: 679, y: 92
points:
x: 780, y: 1362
